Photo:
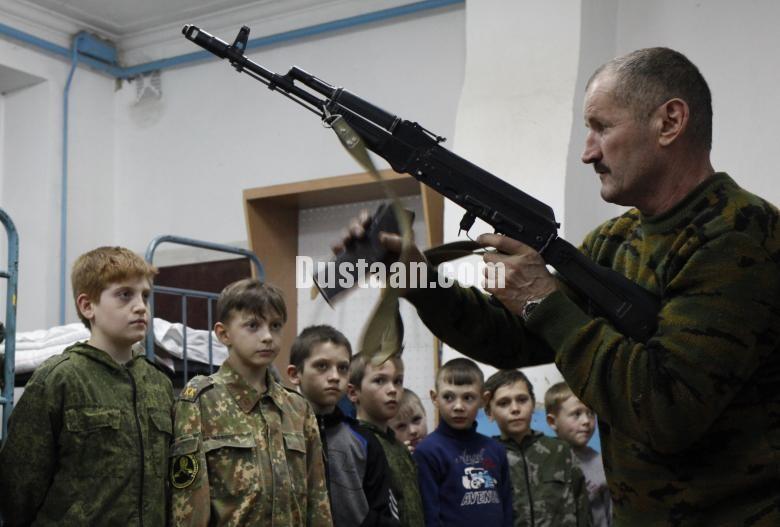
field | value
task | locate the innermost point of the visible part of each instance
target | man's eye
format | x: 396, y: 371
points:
x: 502, y: 403
x: 276, y: 326
x: 343, y: 369
x: 321, y: 367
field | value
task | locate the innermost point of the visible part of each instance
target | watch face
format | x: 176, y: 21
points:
x: 529, y: 307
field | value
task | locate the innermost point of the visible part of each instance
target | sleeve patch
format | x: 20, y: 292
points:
x: 184, y: 470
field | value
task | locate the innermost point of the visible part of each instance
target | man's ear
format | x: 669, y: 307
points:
x: 673, y: 118
x: 294, y: 375
x: 86, y: 306
x: 552, y: 422
x: 434, y: 399
x: 353, y: 393
x: 222, y: 334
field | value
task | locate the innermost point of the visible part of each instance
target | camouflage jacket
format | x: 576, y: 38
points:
x: 88, y: 443
x: 403, y: 477
x: 548, y: 488
x: 244, y: 458
x: 690, y: 420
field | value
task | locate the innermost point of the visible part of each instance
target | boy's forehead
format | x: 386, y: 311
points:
x: 389, y: 367
x: 516, y: 388
x: 572, y: 402
x: 249, y: 314
x: 135, y: 282
x: 445, y: 386
x: 328, y: 350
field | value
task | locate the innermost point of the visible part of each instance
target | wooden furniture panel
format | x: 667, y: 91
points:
x: 271, y: 215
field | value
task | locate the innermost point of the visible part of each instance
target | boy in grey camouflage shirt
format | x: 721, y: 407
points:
x: 548, y: 486
x: 246, y: 450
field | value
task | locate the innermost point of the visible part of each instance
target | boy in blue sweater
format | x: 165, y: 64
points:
x: 464, y: 475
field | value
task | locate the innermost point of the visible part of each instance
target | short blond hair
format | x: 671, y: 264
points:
x: 359, y: 363
x: 408, y: 404
x: 556, y: 395
x: 94, y: 271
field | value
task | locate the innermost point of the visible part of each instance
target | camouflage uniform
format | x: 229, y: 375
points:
x: 403, y: 477
x: 548, y: 488
x: 690, y: 420
x: 244, y: 458
x: 88, y: 443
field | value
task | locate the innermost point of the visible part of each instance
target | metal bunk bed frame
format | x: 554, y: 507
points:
x: 191, y: 293
x: 11, y: 274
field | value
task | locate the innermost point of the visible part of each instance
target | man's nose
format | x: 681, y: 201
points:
x: 592, y: 151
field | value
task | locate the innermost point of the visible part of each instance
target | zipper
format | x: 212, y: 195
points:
x: 528, y: 487
x: 141, y: 448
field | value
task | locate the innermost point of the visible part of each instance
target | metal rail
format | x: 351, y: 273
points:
x: 191, y: 293
x: 9, y: 362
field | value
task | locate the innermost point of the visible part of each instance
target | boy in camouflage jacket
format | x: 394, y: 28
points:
x: 375, y: 389
x: 88, y: 441
x: 575, y: 423
x: 548, y: 486
x: 246, y: 450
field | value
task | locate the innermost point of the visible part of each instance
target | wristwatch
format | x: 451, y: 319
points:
x: 529, y: 307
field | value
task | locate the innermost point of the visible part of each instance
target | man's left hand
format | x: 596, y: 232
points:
x: 526, y: 274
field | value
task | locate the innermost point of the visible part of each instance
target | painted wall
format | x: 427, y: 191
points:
x: 31, y: 170
x: 186, y: 158
x: 178, y: 164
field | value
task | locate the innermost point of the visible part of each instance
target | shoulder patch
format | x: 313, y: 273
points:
x: 195, y: 387
x: 184, y: 471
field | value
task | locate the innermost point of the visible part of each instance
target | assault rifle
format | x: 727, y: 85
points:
x: 411, y: 149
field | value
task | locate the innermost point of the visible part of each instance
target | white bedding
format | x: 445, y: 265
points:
x: 34, y: 347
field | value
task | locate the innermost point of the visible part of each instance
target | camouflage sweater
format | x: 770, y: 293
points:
x: 690, y: 420
x: 88, y: 443
x: 240, y: 457
x: 403, y: 477
x: 548, y: 489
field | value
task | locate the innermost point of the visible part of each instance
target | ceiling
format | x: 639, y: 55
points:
x: 147, y: 30
x: 124, y: 17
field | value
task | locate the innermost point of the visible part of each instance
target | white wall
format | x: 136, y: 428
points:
x: 179, y: 165
x: 734, y: 45
x: 31, y: 171
x: 185, y: 159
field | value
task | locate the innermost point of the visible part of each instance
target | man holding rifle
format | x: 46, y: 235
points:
x: 689, y: 419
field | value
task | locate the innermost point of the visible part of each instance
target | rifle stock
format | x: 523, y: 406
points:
x: 411, y: 149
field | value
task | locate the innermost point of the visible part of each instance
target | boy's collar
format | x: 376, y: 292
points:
x: 97, y: 354
x: 388, y: 433
x: 446, y: 429
x: 332, y: 419
x: 244, y: 394
x: 530, y: 437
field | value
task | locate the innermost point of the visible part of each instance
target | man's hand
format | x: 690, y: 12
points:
x: 527, y: 277
x: 391, y: 242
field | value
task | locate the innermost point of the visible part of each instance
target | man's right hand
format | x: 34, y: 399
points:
x: 392, y: 242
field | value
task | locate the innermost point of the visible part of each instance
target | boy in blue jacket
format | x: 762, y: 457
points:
x: 463, y: 475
